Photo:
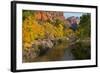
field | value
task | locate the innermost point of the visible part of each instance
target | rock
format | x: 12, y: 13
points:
x: 41, y: 45
x: 43, y: 51
x: 49, y: 15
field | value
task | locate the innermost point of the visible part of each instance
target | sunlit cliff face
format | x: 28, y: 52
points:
x: 47, y: 15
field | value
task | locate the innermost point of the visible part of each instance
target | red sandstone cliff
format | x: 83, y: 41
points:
x: 47, y: 15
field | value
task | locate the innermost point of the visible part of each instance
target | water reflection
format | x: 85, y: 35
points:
x: 63, y: 51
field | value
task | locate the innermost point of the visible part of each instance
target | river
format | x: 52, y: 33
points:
x: 59, y: 52
x: 65, y: 51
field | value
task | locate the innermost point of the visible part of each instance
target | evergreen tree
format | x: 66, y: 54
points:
x: 85, y: 25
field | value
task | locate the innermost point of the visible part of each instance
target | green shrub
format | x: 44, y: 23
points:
x: 81, y: 51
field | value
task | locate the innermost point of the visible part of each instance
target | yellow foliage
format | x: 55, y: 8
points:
x: 53, y: 31
x: 68, y: 32
x: 31, y: 30
x: 77, y: 33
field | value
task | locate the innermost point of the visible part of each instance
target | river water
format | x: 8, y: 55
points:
x: 68, y: 55
x: 59, y: 52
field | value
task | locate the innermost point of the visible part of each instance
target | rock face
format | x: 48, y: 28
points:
x: 73, y: 20
x: 49, y: 15
x: 53, y: 15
